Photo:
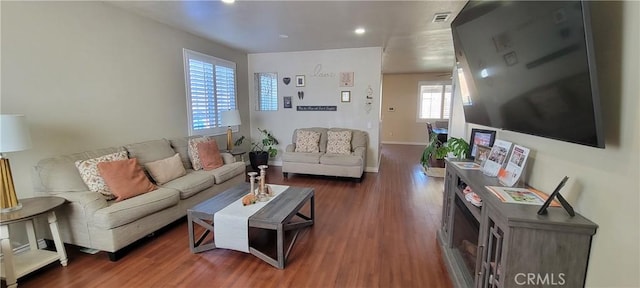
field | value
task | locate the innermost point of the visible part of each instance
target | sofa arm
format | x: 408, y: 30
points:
x: 362, y: 152
x: 291, y: 148
x: 227, y: 158
x: 89, y: 201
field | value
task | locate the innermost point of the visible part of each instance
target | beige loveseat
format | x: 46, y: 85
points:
x: 323, y: 163
x: 89, y: 220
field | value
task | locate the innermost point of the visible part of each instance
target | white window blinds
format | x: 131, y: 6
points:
x: 266, y: 91
x: 210, y: 85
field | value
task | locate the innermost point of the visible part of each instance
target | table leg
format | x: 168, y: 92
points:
x: 53, y: 225
x: 31, y: 234
x: 313, y: 209
x: 280, y: 246
x: 7, y: 251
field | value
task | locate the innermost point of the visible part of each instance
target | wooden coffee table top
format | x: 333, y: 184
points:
x: 281, y: 208
x: 277, y: 211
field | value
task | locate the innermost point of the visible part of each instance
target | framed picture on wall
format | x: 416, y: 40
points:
x: 287, y: 101
x: 346, y: 79
x: 481, y: 137
x: 299, y: 80
x: 345, y: 96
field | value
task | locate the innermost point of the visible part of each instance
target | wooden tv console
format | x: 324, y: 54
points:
x: 509, y: 245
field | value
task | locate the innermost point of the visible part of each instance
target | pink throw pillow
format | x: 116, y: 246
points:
x: 210, y: 155
x: 125, y: 178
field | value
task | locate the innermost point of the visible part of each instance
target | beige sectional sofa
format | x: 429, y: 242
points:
x: 323, y: 163
x: 89, y: 220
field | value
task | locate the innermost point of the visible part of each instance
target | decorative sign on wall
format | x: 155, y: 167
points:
x: 317, y: 108
x: 369, y: 99
x: 346, y: 79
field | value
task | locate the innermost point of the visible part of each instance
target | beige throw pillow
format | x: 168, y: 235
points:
x: 339, y: 142
x: 89, y: 172
x: 307, y: 141
x: 193, y: 152
x: 165, y: 170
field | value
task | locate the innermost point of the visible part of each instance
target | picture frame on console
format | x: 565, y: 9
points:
x: 482, y: 153
x: 482, y: 137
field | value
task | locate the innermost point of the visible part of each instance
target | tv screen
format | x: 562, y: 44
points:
x: 529, y: 67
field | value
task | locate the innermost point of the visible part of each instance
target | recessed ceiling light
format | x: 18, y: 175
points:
x: 360, y: 31
x: 228, y: 1
x: 283, y: 36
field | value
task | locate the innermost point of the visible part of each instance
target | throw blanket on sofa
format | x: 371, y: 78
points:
x: 231, y: 224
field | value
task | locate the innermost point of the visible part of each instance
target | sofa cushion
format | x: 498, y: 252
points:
x: 165, y: 170
x: 88, y: 170
x: 125, y: 178
x: 226, y: 172
x: 322, y: 145
x: 339, y: 142
x: 60, y: 174
x: 313, y: 158
x: 150, y: 151
x: 181, y: 145
x: 190, y: 184
x: 341, y: 160
x: 307, y: 141
x: 194, y: 156
x: 209, y: 153
x: 132, y: 209
x: 358, y: 139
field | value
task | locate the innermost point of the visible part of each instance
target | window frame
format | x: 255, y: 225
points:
x: 215, y: 61
x: 258, y: 90
x: 419, y: 100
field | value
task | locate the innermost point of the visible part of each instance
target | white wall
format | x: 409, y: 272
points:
x: 401, y: 92
x: 322, y: 73
x: 604, y: 184
x: 89, y: 75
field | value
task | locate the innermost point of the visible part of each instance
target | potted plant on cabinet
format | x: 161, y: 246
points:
x: 433, y: 155
x: 263, y: 149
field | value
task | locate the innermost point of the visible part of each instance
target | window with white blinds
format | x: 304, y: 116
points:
x: 434, y: 101
x: 266, y: 85
x: 211, y: 88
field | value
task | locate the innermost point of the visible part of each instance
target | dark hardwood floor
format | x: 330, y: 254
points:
x: 377, y: 233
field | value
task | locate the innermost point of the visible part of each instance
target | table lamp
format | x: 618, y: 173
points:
x: 230, y: 118
x: 14, y: 136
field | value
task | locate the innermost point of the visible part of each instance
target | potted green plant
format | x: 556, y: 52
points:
x: 238, y: 141
x: 433, y: 155
x: 263, y: 149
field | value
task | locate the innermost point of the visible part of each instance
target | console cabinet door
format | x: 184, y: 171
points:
x: 447, y: 206
x: 489, y: 267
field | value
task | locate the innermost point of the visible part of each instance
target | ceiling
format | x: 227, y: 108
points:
x: 404, y: 29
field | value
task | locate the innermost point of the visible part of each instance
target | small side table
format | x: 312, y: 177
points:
x: 16, y: 266
x: 236, y: 152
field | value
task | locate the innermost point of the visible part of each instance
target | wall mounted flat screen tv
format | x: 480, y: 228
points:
x: 529, y: 67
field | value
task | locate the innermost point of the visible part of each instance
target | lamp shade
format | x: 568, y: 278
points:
x: 230, y: 118
x: 14, y: 133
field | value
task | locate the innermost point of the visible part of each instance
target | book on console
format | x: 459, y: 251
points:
x: 527, y: 196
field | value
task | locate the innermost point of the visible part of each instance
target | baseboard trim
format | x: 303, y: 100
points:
x: 405, y: 143
x: 371, y: 169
